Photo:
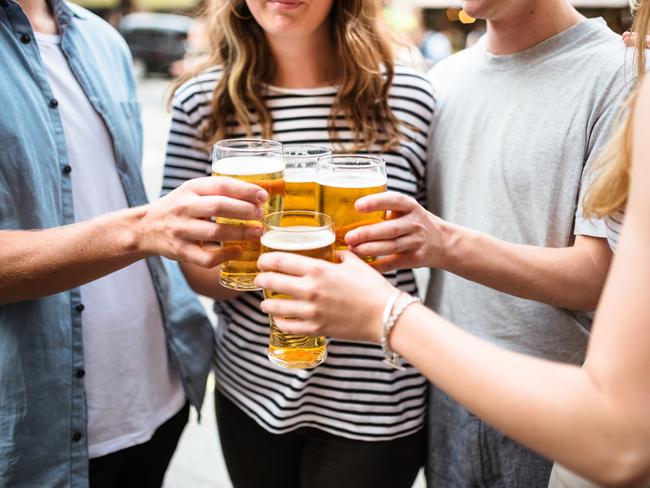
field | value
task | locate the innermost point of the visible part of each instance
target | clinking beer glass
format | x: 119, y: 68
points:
x: 307, y: 234
x: 300, y: 175
x: 256, y: 161
x: 341, y: 180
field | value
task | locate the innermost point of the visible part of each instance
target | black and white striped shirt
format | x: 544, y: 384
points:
x: 353, y: 393
x: 614, y: 223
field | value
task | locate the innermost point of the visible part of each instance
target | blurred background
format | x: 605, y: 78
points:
x: 161, y: 33
x: 166, y: 36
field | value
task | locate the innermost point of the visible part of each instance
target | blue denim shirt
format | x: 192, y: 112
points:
x: 43, y: 414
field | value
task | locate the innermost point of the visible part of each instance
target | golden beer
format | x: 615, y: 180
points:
x: 267, y: 172
x: 300, y: 175
x: 341, y: 182
x: 308, y: 234
x: 300, y: 190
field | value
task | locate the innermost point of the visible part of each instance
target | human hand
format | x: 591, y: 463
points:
x: 345, y: 300
x: 410, y: 238
x: 629, y: 38
x: 174, y: 225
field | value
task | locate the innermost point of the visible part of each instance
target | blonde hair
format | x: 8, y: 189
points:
x: 238, y: 44
x: 609, y: 189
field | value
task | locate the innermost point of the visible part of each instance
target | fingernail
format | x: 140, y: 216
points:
x: 262, y: 196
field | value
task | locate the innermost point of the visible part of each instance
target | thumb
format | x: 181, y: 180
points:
x: 209, y: 256
x: 348, y: 257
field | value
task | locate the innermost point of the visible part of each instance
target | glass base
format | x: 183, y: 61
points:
x: 240, y: 282
x: 303, y: 364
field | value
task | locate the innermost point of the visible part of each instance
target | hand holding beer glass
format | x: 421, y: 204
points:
x: 259, y: 162
x: 342, y: 179
x: 412, y: 238
x: 306, y: 234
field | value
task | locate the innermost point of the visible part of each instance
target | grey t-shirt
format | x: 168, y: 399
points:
x: 514, y: 138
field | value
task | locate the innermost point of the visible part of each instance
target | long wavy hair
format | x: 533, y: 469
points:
x: 608, y: 191
x: 364, y: 60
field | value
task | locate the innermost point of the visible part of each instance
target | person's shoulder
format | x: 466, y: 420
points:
x: 409, y: 77
x: 451, y: 66
x: 604, y: 49
x: 97, y: 28
x: 201, y: 85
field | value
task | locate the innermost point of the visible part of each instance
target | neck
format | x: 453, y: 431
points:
x: 530, y: 24
x: 303, y: 63
x: 40, y: 16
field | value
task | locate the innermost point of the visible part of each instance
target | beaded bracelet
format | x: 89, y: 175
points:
x: 394, y: 309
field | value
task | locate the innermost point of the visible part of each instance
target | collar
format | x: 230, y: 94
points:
x: 64, y: 11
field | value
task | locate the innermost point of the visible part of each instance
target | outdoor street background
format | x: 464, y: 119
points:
x: 198, y: 462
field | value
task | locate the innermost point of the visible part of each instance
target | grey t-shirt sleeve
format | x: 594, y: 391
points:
x: 598, y: 138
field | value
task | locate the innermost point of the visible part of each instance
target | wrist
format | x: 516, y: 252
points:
x: 395, y: 307
x: 382, y: 306
x: 457, y: 243
x: 132, y: 235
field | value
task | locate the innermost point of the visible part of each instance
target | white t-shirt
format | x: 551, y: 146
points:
x: 131, y: 387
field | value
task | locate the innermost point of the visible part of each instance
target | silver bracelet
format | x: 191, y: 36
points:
x: 394, y: 309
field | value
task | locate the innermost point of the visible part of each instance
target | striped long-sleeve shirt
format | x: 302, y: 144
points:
x: 353, y: 393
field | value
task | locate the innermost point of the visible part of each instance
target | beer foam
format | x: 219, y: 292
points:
x: 299, y: 175
x: 300, y: 238
x: 352, y: 180
x: 247, y: 165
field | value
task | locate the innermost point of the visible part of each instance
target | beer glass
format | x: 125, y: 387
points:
x: 308, y: 234
x: 341, y: 180
x: 300, y: 175
x: 256, y: 161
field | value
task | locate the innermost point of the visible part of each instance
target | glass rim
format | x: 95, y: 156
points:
x: 365, y: 161
x: 322, y: 150
x: 303, y: 228
x: 269, y: 145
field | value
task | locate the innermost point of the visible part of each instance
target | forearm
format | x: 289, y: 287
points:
x: 36, y: 263
x: 554, y: 409
x: 205, y: 281
x: 567, y: 277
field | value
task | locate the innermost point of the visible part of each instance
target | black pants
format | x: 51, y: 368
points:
x: 141, y: 466
x: 311, y: 458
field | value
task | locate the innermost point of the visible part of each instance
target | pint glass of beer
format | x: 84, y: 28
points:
x: 256, y: 161
x: 308, y: 234
x: 300, y: 175
x: 341, y: 180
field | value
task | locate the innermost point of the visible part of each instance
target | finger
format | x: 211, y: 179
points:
x: 349, y: 257
x: 289, y: 310
x: 207, y: 257
x: 230, y: 187
x: 203, y: 230
x: 221, y: 206
x: 389, y: 200
x: 389, y: 263
x: 399, y: 245
x: 382, y: 231
x: 297, y: 327
x: 286, y: 263
x: 281, y: 283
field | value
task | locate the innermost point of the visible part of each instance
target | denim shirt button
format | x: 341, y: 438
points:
x: 76, y: 437
x: 80, y: 373
x: 25, y: 38
x: 80, y: 307
x: 67, y: 169
x: 54, y: 103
